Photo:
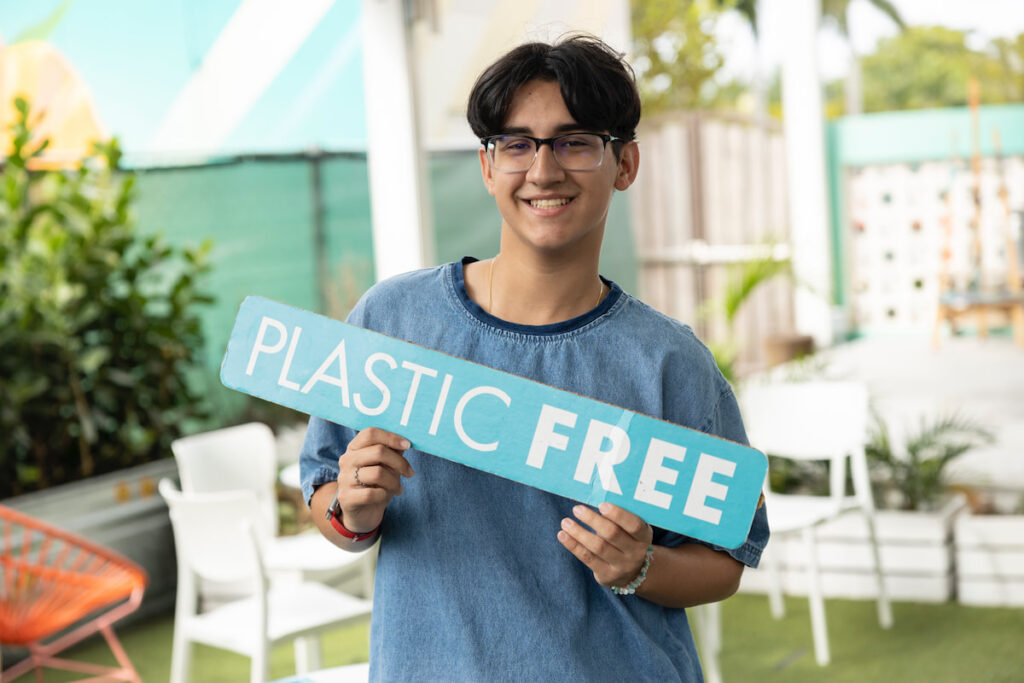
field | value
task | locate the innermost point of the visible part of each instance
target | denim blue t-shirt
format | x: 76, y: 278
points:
x: 472, y: 583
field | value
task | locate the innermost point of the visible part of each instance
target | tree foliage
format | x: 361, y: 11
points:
x: 929, y: 67
x: 916, y: 475
x: 837, y: 12
x: 98, y: 324
x: 675, y: 54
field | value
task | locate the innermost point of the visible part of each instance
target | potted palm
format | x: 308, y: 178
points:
x: 989, y: 543
x: 742, y: 281
x: 917, y: 506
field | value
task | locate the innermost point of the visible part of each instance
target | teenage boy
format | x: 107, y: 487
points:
x: 480, y: 578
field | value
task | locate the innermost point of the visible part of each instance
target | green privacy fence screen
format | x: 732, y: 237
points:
x: 296, y: 228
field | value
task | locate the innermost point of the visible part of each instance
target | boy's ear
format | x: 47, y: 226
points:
x: 485, y: 171
x: 629, y: 163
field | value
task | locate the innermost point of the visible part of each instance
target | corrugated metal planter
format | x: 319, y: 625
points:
x: 990, y: 559
x: 123, y: 511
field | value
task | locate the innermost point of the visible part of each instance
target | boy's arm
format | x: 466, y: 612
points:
x: 369, y: 475
x: 690, y: 574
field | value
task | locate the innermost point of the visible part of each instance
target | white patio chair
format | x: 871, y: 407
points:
x: 707, y: 622
x: 215, y: 539
x: 244, y: 458
x: 815, y: 421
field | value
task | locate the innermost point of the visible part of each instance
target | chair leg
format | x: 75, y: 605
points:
x: 259, y: 671
x: 367, y: 571
x: 710, y: 625
x: 181, y: 655
x: 884, y: 607
x: 775, y: 601
x: 307, y: 654
x: 819, y: 627
x: 127, y: 668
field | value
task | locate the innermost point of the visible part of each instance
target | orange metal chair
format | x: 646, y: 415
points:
x: 51, y: 580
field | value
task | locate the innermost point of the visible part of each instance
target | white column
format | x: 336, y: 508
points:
x: 399, y: 200
x: 804, y: 130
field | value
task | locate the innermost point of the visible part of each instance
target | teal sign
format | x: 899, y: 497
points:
x: 675, y: 478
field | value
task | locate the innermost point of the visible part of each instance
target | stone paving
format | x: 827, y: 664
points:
x: 980, y: 379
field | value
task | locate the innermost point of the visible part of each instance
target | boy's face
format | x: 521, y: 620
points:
x: 546, y: 207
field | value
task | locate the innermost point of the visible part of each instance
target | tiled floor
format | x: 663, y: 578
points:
x: 983, y: 380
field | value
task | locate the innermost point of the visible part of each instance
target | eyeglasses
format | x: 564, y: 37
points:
x: 573, y: 151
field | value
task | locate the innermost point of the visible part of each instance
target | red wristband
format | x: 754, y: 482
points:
x: 332, y: 515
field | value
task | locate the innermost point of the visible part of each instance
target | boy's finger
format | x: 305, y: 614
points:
x: 627, y: 521
x: 375, y: 435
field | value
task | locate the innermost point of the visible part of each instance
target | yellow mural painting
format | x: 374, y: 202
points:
x: 61, y: 105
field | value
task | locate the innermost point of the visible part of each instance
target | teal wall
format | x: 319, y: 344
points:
x: 907, y: 137
x: 261, y: 214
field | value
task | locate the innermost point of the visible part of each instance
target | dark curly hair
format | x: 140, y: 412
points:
x: 597, y: 84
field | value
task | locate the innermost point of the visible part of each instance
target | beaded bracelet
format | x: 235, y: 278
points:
x: 630, y: 588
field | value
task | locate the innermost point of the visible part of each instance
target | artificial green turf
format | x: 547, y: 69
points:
x: 944, y: 642
x: 928, y: 642
x: 148, y: 645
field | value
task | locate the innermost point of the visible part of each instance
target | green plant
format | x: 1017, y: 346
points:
x: 98, y: 323
x: 675, y: 54
x: 798, y: 477
x: 916, y: 476
x: 741, y: 283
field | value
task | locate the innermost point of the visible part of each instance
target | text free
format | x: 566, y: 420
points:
x: 603, y: 448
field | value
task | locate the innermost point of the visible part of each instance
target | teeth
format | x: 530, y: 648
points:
x: 549, y: 203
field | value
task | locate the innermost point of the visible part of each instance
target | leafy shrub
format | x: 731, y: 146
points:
x: 915, y: 478
x: 98, y: 324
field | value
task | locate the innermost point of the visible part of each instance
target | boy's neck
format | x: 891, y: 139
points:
x: 536, y: 290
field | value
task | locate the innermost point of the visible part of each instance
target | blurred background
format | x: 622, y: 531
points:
x: 829, y: 189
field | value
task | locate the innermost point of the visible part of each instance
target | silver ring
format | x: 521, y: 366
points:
x: 355, y: 475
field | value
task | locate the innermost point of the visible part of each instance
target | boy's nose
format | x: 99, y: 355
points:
x: 545, y: 168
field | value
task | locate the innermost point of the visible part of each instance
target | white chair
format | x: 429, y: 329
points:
x: 818, y: 420
x: 245, y: 458
x: 707, y: 623
x: 215, y: 539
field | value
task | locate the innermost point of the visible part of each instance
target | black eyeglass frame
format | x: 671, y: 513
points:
x: 488, y: 143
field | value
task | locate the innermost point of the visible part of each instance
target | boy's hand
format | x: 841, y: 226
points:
x: 615, y: 550
x: 369, y: 476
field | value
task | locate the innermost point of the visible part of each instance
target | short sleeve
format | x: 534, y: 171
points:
x: 326, y: 441
x: 318, y: 460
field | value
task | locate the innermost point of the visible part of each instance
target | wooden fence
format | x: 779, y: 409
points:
x: 711, y: 196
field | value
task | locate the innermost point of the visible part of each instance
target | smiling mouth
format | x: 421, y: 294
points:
x: 549, y: 203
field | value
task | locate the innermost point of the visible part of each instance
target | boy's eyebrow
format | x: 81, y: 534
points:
x: 526, y: 130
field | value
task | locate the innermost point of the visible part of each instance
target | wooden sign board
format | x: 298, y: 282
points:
x: 676, y: 478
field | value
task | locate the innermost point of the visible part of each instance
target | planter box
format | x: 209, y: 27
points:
x: 123, y: 511
x: 990, y: 559
x: 916, y: 550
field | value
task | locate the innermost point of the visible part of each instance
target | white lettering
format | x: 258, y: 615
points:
x: 654, y: 472
x: 439, y: 408
x: 258, y: 347
x: 605, y: 459
x: 321, y: 374
x: 461, y: 405
x: 418, y: 371
x: 703, y: 488
x: 385, y: 393
x: 545, y: 436
x: 282, y: 379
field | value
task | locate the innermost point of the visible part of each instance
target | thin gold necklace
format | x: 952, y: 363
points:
x: 490, y: 288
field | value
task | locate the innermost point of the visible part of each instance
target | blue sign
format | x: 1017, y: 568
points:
x: 676, y: 478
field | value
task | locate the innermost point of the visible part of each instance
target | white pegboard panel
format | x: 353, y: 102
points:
x: 898, y: 215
